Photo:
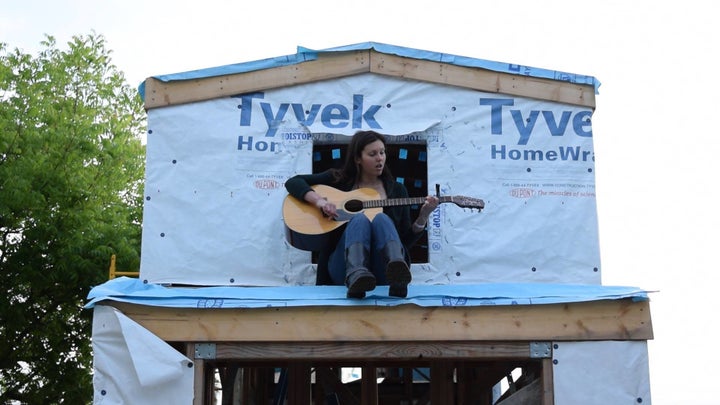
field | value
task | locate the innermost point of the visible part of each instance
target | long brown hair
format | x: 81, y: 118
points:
x: 349, y: 173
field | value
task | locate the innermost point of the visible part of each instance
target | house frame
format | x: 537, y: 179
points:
x: 467, y: 350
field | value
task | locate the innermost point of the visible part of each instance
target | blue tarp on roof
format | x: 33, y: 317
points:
x: 132, y: 290
x: 305, y: 54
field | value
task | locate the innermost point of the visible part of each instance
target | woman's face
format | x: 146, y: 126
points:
x: 372, y: 159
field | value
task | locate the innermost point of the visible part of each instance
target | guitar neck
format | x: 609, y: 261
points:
x: 394, y: 202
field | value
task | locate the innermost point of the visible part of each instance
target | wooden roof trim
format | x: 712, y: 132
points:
x: 342, y: 64
x: 595, y: 320
x: 483, y: 80
x: 162, y: 94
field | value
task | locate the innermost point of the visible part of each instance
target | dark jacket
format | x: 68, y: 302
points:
x: 298, y: 185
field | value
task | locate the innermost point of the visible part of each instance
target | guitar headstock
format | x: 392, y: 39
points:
x: 468, y: 202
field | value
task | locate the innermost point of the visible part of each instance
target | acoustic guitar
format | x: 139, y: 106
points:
x: 307, y: 228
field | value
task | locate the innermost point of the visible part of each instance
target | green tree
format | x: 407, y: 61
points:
x: 71, y: 167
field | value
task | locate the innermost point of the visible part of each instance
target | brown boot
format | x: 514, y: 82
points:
x: 397, y: 270
x: 358, y: 278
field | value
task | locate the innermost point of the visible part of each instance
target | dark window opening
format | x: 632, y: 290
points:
x: 407, y: 163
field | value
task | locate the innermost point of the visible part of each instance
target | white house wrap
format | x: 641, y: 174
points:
x: 216, y: 168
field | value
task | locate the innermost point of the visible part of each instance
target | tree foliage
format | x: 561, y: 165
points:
x: 71, y: 166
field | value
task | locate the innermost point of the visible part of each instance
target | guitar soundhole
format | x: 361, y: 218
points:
x: 354, y: 206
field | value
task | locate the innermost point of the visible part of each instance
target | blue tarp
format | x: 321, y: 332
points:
x: 132, y: 290
x: 305, y: 54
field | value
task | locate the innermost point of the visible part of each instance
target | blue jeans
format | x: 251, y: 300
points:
x: 373, y: 235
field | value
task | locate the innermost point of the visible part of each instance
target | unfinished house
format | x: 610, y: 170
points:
x: 506, y: 304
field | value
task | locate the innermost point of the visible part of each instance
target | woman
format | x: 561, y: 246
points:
x: 368, y: 253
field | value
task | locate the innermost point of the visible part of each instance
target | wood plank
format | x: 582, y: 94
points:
x: 442, y: 390
x: 336, y: 65
x: 329, y: 66
x: 366, y: 351
x: 299, y: 387
x: 596, y: 320
x: 368, y: 386
x: 483, y: 80
x: 547, y: 382
x: 198, y: 375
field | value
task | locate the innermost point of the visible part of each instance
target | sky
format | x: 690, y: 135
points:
x: 654, y: 142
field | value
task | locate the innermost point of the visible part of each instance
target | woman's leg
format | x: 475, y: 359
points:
x: 336, y: 262
x: 390, y: 260
x: 349, y: 263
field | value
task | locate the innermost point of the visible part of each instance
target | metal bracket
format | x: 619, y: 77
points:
x: 540, y: 350
x: 205, y: 351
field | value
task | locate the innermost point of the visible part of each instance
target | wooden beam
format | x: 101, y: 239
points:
x: 198, y: 375
x: 368, y: 386
x: 299, y: 387
x: 329, y: 66
x: 483, y: 79
x: 341, y: 64
x: 623, y: 319
x: 547, y: 382
x: 387, y: 351
x: 442, y: 389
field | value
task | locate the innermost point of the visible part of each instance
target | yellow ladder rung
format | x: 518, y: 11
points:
x: 114, y: 273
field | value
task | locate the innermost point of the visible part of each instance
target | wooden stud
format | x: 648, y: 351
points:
x: 299, y: 392
x: 407, y: 376
x: 369, y: 387
x: 441, y: 383
x: 547, y: 382
x: 199, y: 375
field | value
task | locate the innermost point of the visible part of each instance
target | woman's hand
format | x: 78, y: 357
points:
x: 431, y: 202
x: 326, y: 207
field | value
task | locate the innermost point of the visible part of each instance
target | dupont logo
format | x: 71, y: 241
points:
x: 267, y: 184
x: 522, y: 192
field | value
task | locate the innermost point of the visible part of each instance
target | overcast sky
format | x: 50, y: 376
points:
x: 656, y: 142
